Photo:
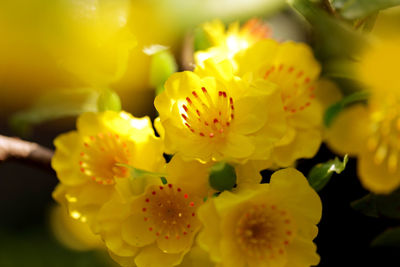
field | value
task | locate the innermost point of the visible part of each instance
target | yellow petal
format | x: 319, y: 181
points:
x: 305, y: 144
x: 152, y: 148
x: 249, y: 114
x: 89, y: 123
x: 135, y: 231
x: 237, y: 146
x: 209, y: 237
x: 221, y: 70
x: 152, y: 256
x: 303, y: 253
x: 197, y: 257
x: 179, y: 244
x: 159, y: 128
x: 116, y: 245
x: 178, y: 170
x: 327, y: 93
x: 247, y: 174
x: 292, y: 182
x: 65, y: 157
x: 300, y: 56
x: 231, y: 255
x: 123, y: 261
x: 377, y: 178
x: 347, y: 134
x: 254, y: 57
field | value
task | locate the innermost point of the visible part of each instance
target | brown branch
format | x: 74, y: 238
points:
x: 16, y: 149
x: 187, y: 60
x: 328, y: 7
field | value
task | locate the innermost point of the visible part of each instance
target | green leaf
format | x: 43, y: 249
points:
x: 162, y: 65
x: 54, y: 105
x: 379, y: 205
x: 321, y: 173
x: 389, y: 238
x: 334, y: 110
x: 354, y: 9
x: 222, y: 176
x: 108, y: 100
x: 366, y: 205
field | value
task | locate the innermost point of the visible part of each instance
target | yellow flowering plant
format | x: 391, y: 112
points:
x: 212, y: 181
x: 212, y: 115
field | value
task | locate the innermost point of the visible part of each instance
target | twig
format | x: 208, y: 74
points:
x: 187, y: 60
x: 16, y: 149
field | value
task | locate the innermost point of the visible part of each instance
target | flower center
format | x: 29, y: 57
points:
x: 206, y: 115
x: 264, y: 231
x: 101, y: 155
x: 384, y: 140
x: 169, y: 212
x: 297, y: 93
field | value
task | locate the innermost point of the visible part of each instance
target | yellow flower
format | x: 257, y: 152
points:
x: 226, y: 43
x: 378, y: 67
x: 209, y: 114
x: 372, y: 134
x: 88, y: 161
x: 72, y: 233
x: 293, y: 68
x: 158, y: 226
x: 271, y: 225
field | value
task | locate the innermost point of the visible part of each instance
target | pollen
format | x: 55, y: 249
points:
x: 208, y: 115
x: 384, y: 139
x: 170, y: 212
x: 261, y: 231
x: 297, y: 90
x: 102, y: 155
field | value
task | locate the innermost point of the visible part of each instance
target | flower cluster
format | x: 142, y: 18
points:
x: 250, y: 104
